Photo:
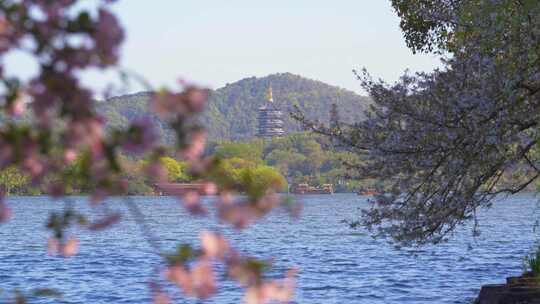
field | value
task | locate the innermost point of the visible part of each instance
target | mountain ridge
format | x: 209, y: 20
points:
x: 232, y: 109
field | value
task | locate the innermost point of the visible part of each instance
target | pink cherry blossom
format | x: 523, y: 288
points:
x: 70, y: 155
x: 243, y: 213
x: 108, y: 35
x: 214, y: 245
x: 33, y: 165
x: 279, y: 291
x: 209, y: 188
x: 191, y: 101
x: 240, y: 214
x: 98, y: 196
x: 5, y: 212
x: 203, y: 279
x: 161, y: 298
x: 53, y: 246
x: 198, y: 282
x: 181, y: 276
x: 168, y: 104
x: 156, y: 171
x: 140, y: 137
x: 196, y: 147
x: 88, y: 133
x: 18, y: 106
x: 195, y: 99
x: 105, y: 222
x: 192, y: 202
x: 6, y: 155
x: 56, y: 190
x: 70, y: 248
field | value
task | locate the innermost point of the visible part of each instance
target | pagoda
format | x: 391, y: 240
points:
x: 270, y: 119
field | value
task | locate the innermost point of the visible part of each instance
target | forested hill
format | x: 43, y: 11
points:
x: 232, y: 110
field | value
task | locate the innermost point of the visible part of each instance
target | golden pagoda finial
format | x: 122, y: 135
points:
x: 269, y: 94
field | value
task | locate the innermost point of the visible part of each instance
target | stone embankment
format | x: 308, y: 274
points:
x: 517, y: 290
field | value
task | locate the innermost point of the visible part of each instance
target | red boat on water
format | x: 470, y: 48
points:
x: 367, y: 192
x: 307, y: 189
x: 175, y: 189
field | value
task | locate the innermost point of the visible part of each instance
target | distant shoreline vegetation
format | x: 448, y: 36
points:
x: 292, y: 159
x: 289, y: 160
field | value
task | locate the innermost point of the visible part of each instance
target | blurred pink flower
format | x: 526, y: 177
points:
x: 201, y: 165
x: 179, y: 275
x: 195, y: 99
x: 53, y: 246
x: 66, y: 249
x: 191, y: 100
x: 165, y: 104
x: 141, y: 136
x: 203, y: 279
x: 240, y: 214
x: 226, y: 197
x: 6, y: 154
x: 214, y: 245
x: 108, y: 36
x: 4, y: 25
x: 192, y: 202
x: 161, y: 298
x: 88, y: 133
x: 105, y: 222
x: 196, y: 147
x: 33, y: 165
x: 239, y: 269
x: 70, y: 248
x: 98, y: 196
x: 56, y: 190
x: 156, y: 171
x: 209, y: 188
x: 123, y: 185
x: 18, y: 106
x: 199, y: 282
x: 5, y: 212
x: 17, y: 109
x: 281, y: 291
x: 70, y: 155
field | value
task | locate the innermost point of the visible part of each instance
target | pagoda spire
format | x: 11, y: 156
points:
x: 269, y: 95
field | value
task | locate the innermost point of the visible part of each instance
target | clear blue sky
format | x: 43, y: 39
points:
x: 213, y: 42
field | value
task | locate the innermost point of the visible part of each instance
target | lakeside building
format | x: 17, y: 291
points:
x: 270, y: 119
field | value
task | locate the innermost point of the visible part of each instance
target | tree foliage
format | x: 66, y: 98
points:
x: 299, y: 157
x: 65, y: 142
x: 176, y: 171
x: 13, y: 180
x: 254, y: 176
x: 443, y: 141
x: 252, y: 151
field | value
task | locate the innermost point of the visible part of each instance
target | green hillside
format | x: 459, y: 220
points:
x: 232, y: 110
x: 120, y: 110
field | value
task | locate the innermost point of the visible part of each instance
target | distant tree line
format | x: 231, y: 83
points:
x: 292, y: 159
x: 299, y: 157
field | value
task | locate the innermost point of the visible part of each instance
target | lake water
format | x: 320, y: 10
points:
x: 337, y: 264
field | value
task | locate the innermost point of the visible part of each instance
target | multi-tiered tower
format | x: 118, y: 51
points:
x: 270, y: 118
